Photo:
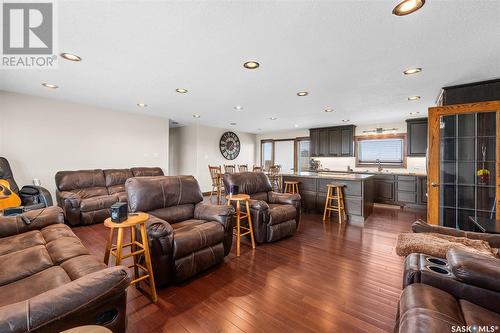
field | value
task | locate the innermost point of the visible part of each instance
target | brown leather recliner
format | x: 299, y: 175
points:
x: 87, y: 195
x: 185, y: 235
x: 468, y: 295
x: 49, y: 281
x: 274, y: 215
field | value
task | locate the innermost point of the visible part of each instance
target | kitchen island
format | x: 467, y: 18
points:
x: 358, y: 192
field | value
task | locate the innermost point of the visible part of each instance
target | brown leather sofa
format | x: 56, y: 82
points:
x: 185, y: 235
x: 86, y: 195
x: 465, y: 292
x: 49, y: 281
x: 274, y: 215
x: 421, y: 226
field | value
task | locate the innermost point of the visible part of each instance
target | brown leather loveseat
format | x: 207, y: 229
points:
x: 185, y: 235
x: 274, y: 215
x: 86, y: 195
x: 464, y: 293
x: 49, y: 281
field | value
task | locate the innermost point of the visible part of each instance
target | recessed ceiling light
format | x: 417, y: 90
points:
x: 413, y: 98
x: 411, y: 71
x: 142, y: 105
x: 251, y: 64
x: 238, y: 108
x: 345, y: 120
x: 196, y: 116
x: 302, y: 93
x: 232, y: 124
x: 414, y: 113
x: 296, y: 125
x: 406, y: 7
x: 328, y: 110
x: 71, y: 57
x: 273, y: 118
x: 181, y: 90
x: 49, y: 85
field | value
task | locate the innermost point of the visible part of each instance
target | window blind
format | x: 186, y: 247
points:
x: 385, y: 150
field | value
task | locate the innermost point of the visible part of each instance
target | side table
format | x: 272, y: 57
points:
x: 134, y: 219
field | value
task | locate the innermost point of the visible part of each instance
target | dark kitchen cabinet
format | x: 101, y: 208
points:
x: 417, y: 137
x: 347, y: 139
x: 332, y: 141
x: 314, y: 143
x: 384, y: 191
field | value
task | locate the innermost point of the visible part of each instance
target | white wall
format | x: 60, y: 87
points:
x: 196, y: 146
x: 414, y: 164
x: 42, y: 136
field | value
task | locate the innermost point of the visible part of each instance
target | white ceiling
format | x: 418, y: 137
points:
x: 348, y: 54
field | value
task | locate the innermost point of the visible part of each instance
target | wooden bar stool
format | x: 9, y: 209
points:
x: 134, y: 219
x: 291, y: 187
x: 335, y: 194
x: 240, y: 216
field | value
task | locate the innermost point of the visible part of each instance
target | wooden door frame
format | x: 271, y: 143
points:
x: 434, y: 148
x: 295, y: 146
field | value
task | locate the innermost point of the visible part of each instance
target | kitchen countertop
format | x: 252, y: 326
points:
x: 331, y: 175
x: 369, y: 172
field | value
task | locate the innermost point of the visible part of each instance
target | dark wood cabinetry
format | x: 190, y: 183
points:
x: 332, y: 141
x: 401, y: 190
x: 417, y: 137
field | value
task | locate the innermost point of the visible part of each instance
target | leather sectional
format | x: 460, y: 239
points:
x: 274, y: 215
x: 185, y: 235
x: 49, y: 281
x: 86, y: 195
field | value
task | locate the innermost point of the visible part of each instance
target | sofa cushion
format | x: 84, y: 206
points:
x: 33, y: 285
x: 115, y: 177
x: 65, y: 248
x: 281, y: 213
x: 146, y: 171
x: 96, y: 203
x: 75, y: 180
x: 193, y: 235
x: 20, y: 264
x: 122, y: 196
x: 82, y: 265
x: 174, y: 214
x: 20, y: 242
x: 477, y: 315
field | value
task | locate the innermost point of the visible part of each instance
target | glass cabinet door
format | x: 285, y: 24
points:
x: 463, y: 163
x: 467, y: 174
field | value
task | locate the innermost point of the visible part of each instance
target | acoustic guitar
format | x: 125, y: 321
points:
x: 7, y: 197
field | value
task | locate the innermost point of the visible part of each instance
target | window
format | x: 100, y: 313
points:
x: 388, y: 150
x: 267, y: 152
x: 302, y: 155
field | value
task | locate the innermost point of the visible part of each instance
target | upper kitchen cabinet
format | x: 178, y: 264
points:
x: 417, y: 137
x: 335, y: 141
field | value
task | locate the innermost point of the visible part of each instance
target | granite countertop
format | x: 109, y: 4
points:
x: 369, y: 172
x: 332, y: 175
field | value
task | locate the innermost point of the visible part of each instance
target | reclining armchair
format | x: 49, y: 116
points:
x: 274, y: 215
x: 465, y: 293
x: 32, y: 197
x: 185, y: 235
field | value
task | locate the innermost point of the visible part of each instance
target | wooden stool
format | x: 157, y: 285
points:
x: 240, y: 216
x: 291, y: 187
x: 133, y: 220
x: 335, y: 193
x: 88, y: 329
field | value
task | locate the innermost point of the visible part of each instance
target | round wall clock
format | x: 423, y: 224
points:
x: 229, y: 145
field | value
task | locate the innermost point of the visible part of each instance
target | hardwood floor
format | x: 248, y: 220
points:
x: 326, y: 278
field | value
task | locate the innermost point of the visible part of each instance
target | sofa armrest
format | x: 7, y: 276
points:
x: 474, y: 268
x: 68, y: 304
x: 39, y: 218
x: 421, y: 226
x: 258, y: 205
x: 161, y: 239
x: 217, y: 213
x: 70, y: 203
x: 284, y: 199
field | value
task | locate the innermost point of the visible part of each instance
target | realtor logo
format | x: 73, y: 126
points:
x: 28, y: 35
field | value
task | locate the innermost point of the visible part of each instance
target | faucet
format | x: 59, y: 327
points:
x: 379, y: 165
